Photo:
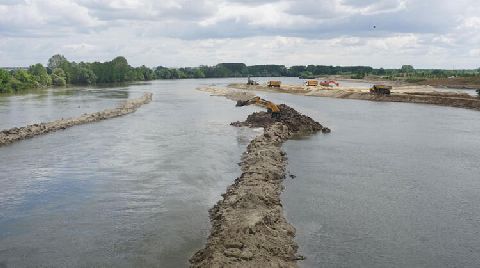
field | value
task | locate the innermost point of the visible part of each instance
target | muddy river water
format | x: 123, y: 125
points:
x: 393, y: 185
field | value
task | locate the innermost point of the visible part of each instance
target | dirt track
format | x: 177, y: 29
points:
x: 16, y: 134
x: 412, y: 94
x: 248, y: 225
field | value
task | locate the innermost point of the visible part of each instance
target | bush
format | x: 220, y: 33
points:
x: 40, y: 74
x: 58, y: 80
x: 5, y: 85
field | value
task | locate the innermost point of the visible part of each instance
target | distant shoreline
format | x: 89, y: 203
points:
x: 472, y: 83
x: 410, y: 94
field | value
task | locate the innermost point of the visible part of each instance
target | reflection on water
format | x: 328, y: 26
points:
x: 396, y: 190
x: 50, y: 104
x: 127, y: 192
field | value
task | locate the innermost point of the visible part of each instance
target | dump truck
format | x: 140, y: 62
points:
x: 274, y: 83
x: 381, y: 89
x: 311, y: 83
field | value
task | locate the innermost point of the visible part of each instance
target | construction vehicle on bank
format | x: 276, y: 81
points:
x: 478, y: 92
x: 311, y: 83
x: 271, y: 107
x: 251, y: 82
x: 329, y: 83
x: 274, y: 83
x: 381, y: 89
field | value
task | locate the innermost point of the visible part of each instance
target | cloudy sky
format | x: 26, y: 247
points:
x: 389, y: 33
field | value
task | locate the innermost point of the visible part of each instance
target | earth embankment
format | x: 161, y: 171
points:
x: 411, y: 94
x: 248, y: 225
x: 20, y: 133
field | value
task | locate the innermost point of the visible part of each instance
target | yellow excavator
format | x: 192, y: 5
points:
x: 271, y: 107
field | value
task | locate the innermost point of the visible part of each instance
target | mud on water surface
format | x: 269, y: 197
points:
x: 248, y: 225
x: 21, y: 133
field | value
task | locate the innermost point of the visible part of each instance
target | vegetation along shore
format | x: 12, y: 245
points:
x: 61, y: 72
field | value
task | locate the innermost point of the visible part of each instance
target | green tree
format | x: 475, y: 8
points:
x: 146, y: 73
x: 198, y: 73
x: 222, y: 71
x: 81, y: 73
x: 57, y: 61
x: 381, y: 71
x: 119, y: 69
x: 306, y: 75
x: 407, y: 69
x: 232, y: 69
x: 40, y: 74
x: 5, y: 82
x: 163, y: 73
x: 59, y: 77
x: 438, y: 73
x: 27, y: 81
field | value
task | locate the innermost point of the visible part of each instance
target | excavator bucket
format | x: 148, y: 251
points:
x: 241, y: 103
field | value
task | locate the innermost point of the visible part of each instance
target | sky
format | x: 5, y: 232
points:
x: 174, y: 33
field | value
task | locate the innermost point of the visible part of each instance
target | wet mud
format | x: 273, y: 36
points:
x: 248, y: 225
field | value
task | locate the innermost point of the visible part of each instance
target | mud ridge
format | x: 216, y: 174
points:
x: 248, y: 225
x: 409, y: 94
x: 29, y: 131
x: 459, y: 101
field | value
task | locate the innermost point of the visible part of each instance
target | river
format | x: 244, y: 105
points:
x: 393, y: 185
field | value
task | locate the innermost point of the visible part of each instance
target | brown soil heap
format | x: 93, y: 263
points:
x: 248, y: 225
x: 16, y: 134
x: 298, y: 124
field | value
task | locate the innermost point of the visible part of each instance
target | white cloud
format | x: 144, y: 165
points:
x: 470, y: 23
x: 45, y: 18
x: 475, y: 52
x: 187, y: 32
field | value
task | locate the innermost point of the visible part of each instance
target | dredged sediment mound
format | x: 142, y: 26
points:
x: 248, y: 225
x: 21, y: 133
x: 297, y: 123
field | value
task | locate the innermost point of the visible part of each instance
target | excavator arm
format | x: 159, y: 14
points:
x: 271, y: 107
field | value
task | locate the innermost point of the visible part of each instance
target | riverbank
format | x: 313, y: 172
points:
x: 452, y: 82
x: 20, y: 133
x: 249, y: 228
x: 411, y: 94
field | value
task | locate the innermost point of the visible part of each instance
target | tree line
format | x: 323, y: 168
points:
x: 60, y: 72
